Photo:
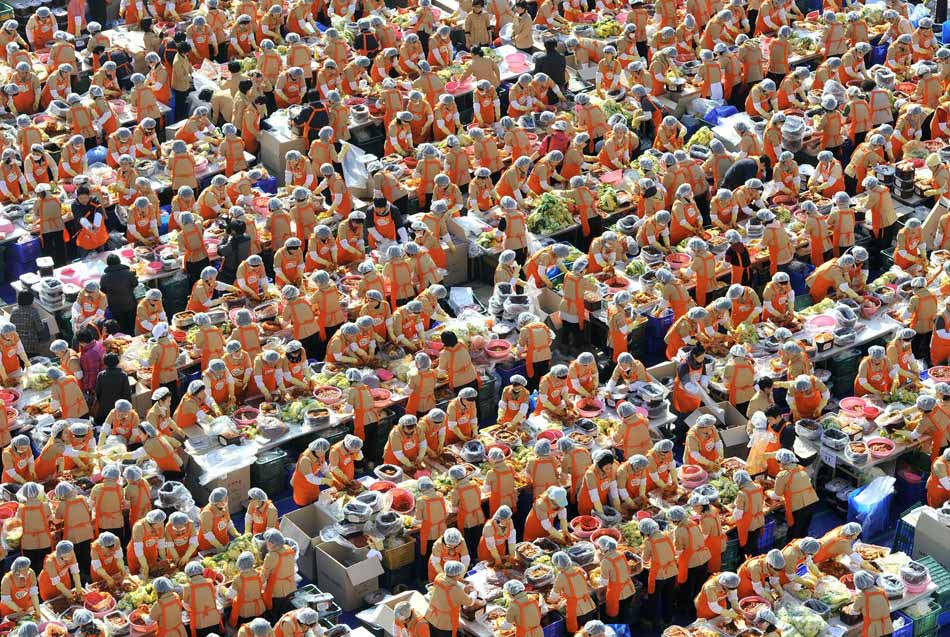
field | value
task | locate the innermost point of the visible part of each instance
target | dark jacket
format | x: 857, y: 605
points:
x: 118, y: 283
x: 233, y: 253
x: 554, y: 65
x: 112, y: 385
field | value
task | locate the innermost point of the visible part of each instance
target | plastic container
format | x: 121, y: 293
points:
x: 906, y: 628
x: 926, y: 623
x: 268, y: 472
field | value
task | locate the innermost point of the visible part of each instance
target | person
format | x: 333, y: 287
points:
x: 692, y: 556
x: 108, y: 564
x: 659, y: 552
x: 34, y: 516
x: 342, y: 459
x: 279, y: 573
x: 246, y: 592
x: 234, y: 251
x: 76, y: 513
x: 19, y: 589
x: 448, y: 547
x: 761, y: 576
x: 118, y: 283
x: 498, y: 537
x: 598, y: 486
x: 431, y: 515
x: 215, y: 528
x: 30, y: 328
x: 938, y: 483
x: 525, y: 609
x: 146, y: 548
x: 719, y: 597
x: 198, y: 597
x: 308, y: 473
x: 550, y: 505
x: 872, y: 602
x: 571, y: 586
x: 50, y: 225
x: 449, y: 594
x: 800, y: 552
x: 112, y: 385
x: 106, y: 498
x: 167, y: 610
x: 552, y: 63
x: 408, y: 621
x: 794, y: 486
x: 60, y: 575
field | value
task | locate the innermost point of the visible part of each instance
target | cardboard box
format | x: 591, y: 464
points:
x: 733, y: 434
x: 456, y: 264
x: 346, y: 573
x: 931, y: 537
x: 303, y: 526
x: 383, y: 615
x: 237, y: 483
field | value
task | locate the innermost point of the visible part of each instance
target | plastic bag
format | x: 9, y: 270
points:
x: 757, y: 462
x: 354, y: 167
x: 870, y: 506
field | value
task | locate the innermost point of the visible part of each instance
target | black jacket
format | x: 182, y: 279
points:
x: 233, y: 253
x: 118, y: 282
x: 554, y: 66
x: 112, y: 385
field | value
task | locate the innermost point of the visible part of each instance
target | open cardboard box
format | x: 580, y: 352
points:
x: 383, y: 615
x: 303, y: 526
x: 733, y: 434
x: 347, y: 573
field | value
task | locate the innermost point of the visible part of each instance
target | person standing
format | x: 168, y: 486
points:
x: 118, y: 282
x: 181, y: 81
x: 31, y: 329
x: 112, y: 385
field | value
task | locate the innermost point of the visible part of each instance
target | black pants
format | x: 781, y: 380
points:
x: 176, y: 397
x: 921, y: 346
x: 370, y: 454
x: 643, y: 48
x: 540, y: 369
x: 695, y: 578
x: 596, y: 224
x: 215, y: 629
x: 320, y: 349
x: 82, y: 558
x: 126, y: 321
x: 194, y: 268
x: 312, y: 346
x: 438, y: 632
x: 572, y: 335
x: 661, y: 600
x: 280, y: 606
x: 802, y: 521
x: 97, y: 12
x: 775, y: 77
x: 521, y: 255
x: 472, y: 535
x: 751, y: 547
x: 702, y: 203
x: 36, y: 557
x: 181, y: 105
x: 881, y: 241
x: 54, y: 246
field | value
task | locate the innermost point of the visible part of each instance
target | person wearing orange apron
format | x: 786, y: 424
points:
x: 181, y: 539
x: 215, y: 528
x: 199, y: 598
x: 718, y: 597
x: 279, y: 573
x: 632, y: 435
x: 137, y: 493
x: 710, y: 525
x: 524, y: 610
x: 598, y: 486
x: 931, y: 424
x: 500, y: 479
x: 309, y: 471
x: 431, y: 514
x: 167, y: 610
x: 18, y: 464
x: 873, y: 603
x: 748, y: 512
x: 497, y: 537
x: 690, y: 378
x: 938, y: 484
x: 739, y: 373
x: 67, y: 395
x: 692, y: 556
x: 342, y: 459
x: 107, y: 564
x: 146, y: 548
x: 448, y: 547
x: 659, y: 557
x: 807, y: 397
x: 548, y: 507
x: 19, y: 589
x: 874, y: 374
x: 246, y: 592
x: 571, y: 585
x: 761, y: 576
x: 794, y: 486
x: 448, y: 597
x: 800, y: 552
x: 261, y: 513
x: 60, y: 574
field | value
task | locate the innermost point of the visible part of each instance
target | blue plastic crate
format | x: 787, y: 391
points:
x: 767, y: 536
x: 506, y: 370
x: 620, y: 630
x: 907, y: 629
x: 909, y: 494
x: 555, y: 628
